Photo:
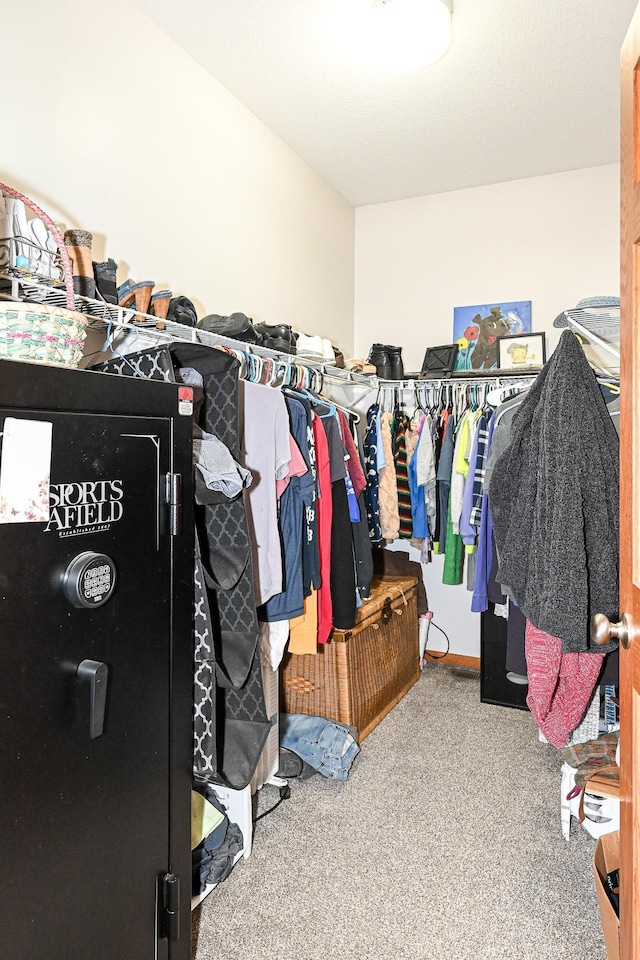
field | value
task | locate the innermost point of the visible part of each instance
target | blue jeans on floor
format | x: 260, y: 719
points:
x: 323, y: 744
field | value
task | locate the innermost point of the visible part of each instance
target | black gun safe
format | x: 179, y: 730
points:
x: 95, y: 669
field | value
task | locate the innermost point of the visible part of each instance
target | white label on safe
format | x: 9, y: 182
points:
x: 25, y: 470
x: 86, y: 507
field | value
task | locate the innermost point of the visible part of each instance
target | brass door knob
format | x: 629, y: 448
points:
x: 602, y: 630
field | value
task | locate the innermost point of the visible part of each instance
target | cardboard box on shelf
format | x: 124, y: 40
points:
x: 606, y: 860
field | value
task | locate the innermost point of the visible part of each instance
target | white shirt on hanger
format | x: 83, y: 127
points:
x: 265, y: 451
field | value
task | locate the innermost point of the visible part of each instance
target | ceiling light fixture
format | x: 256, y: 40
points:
x: 410, y: 33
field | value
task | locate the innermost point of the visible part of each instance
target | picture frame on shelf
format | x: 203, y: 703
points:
x: 476, y: 330
x: 524, y: 351
x: 439, y: 361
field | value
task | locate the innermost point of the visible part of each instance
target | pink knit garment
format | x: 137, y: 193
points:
x: 560, y: 684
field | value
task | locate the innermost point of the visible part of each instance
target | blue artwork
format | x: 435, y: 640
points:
x: 476, y: 330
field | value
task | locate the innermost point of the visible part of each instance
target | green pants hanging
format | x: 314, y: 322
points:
x: 453, y: 554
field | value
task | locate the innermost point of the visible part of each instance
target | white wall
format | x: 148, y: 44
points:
x: 552, y: 240
x: 110, y: 126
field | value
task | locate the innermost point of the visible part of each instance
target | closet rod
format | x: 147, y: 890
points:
x: 498, y: 378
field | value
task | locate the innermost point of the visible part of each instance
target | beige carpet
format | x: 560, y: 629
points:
x: 445, y: 842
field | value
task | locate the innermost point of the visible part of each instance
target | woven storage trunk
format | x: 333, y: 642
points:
x: 360, y: 675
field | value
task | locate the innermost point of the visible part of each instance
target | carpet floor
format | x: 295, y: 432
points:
x: 445, y: 842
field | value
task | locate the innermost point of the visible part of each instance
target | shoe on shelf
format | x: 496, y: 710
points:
x: 78, y: 244
x: 277, y: 345
x: 379, y: 357
x: 279, y: 331
x: 138, y: 293
x: 159, y: 305
x: 237, y: 326
x: 310, y: 348
x: 395, y: 362
x: 18, y: 226
x: 328, y: 356
x: 182, y: 310
x: 104, y: 274
x: 358, y: 365
x: 278, y: 337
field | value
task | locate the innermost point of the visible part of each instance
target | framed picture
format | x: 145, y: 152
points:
x: 523, y: 352
x: 476, y: 330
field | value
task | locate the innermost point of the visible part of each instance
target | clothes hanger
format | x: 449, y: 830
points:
x: 416, y: 404
x: 613, y: 385
x: 496, y: 395
x: 322, y: 406
x: 347, y: 412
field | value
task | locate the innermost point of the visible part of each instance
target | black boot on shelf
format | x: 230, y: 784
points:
x: 105, y: 277
x: 379, y: 357
x: 236, y: 326
x: 396, y: 366
x: 277, y: 337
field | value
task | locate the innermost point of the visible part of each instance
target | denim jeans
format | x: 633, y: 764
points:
x: 323, y: 744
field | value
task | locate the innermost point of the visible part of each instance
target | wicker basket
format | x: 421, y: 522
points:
x: 361, y: 674
x: 40, y: 332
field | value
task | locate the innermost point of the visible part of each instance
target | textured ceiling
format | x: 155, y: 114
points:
x: 528, y: 87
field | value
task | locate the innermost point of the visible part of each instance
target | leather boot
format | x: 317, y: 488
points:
x: 105, y: 276
x: 395, y: 362
x: 379, y: 357
x: 78, y: 244
x: 277, y: 337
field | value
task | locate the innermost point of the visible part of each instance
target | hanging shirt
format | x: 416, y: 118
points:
x: 454, y: 552
x: 411, y: 437
x: 297, y: 468
x: 359, y: 527
x: 480, y: 598
x: 464, y: 439
x: 325, y: 516
x: 387, y: 488
x: 354, y: 467
x: 371, y: 467
x: 310, y: 550
x: 426, y: 470
x: 467, y: 531
x: 443, y: 475
x: 478, y: 470
x: 342, y: 576
x: 381, y: 455
x: 418, y: 505
x: 265, y: 451
x: 290, y: 601
x: 402, y: 476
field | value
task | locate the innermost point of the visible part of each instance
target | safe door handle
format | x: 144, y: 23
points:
x: 93, y: 678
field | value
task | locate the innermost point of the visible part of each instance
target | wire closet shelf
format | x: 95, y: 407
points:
x: 598, y: 331
x: 17, y: 284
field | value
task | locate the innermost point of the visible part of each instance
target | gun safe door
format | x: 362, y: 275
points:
x: 91, y: 756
